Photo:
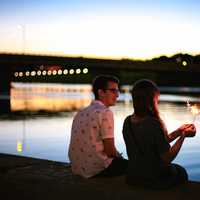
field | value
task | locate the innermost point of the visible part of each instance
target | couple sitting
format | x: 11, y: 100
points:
x: 92, y: 150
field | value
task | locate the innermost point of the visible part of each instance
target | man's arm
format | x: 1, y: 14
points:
x: 109, y: 147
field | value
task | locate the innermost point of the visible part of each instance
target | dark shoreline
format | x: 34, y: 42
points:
x: 30, y: 178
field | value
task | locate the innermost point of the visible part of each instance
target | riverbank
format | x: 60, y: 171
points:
x: 29, y: 178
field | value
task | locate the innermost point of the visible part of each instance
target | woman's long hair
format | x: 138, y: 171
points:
x: 143, y: 94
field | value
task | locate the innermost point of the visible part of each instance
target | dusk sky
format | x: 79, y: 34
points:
x: 103, y: 28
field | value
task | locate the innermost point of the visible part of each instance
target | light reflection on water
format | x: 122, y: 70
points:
x: 48, y: 137
x: 49, y: 97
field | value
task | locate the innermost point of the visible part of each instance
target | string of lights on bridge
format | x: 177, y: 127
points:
x: 51, y: 72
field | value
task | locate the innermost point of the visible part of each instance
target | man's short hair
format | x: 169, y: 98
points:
x: 101, y: 82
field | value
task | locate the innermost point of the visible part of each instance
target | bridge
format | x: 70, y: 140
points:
x: 179, y: 70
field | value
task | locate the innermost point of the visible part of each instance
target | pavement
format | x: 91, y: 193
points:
x: 30, y: 178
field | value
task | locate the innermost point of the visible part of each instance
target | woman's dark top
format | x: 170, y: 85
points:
x: 145, y: 142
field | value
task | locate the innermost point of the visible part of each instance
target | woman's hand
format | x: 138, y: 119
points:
x: 187, y: 130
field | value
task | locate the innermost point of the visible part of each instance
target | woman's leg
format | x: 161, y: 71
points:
x: 181, y: 174
x: 173, y: 176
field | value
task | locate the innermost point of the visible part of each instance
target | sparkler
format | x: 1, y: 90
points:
x: 194, y: 109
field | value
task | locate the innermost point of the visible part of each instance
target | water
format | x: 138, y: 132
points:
x: 47, y: 137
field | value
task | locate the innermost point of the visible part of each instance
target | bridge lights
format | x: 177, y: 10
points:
x: 44, y: 73
x: 33, y: 73
x: 27, y: 73
x: 85, y: 70
x: 16, y: 74
x: 39, y: 73
x: 78, y: 71
x: 59, y: 72
x: 20, y: 74
x: 65, y: 71
x: 49, y: 72
x: 71, y: 71
x: 54, y: 72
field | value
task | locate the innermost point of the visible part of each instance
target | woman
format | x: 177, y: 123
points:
x: 148, y: 142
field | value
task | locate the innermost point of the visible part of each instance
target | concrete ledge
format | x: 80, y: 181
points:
x: 29, y: 178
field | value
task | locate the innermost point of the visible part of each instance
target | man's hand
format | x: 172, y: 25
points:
x: 109, y: 147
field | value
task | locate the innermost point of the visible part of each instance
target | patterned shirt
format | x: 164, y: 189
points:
x: 86, y: 151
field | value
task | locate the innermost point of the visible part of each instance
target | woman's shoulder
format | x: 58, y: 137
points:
x: 148, y: 120
x: 127, y: 119
x: 153, y: 123
x: 152, y: 120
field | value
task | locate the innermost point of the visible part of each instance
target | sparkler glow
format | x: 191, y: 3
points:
x: 194, y: 109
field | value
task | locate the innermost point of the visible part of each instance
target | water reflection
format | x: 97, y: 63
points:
x: 49, y: 97
x: 47, y: 137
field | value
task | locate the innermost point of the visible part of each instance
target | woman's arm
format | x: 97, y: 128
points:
x: 171, y: 154
x: 188, y: 130
x: 175, y: 134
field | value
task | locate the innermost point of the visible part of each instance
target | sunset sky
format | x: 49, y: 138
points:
x: 100, y: 28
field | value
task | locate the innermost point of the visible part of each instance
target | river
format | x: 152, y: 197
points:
x: 47, y: 136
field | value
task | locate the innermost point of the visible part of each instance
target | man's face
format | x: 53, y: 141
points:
x: 110, y: 94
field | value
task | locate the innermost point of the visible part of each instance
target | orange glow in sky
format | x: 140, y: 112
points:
x: 118, y: 29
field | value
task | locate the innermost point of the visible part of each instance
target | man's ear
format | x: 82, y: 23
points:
x: 101, y: 93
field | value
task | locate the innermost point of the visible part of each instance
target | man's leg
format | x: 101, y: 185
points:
x: 116, y: 168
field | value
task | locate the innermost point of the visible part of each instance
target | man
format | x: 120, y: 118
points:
x: 92, y: 150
